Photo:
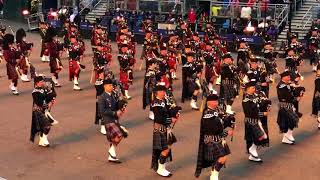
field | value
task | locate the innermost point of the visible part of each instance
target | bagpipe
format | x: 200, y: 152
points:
x: 51, y: 93
x: 297, y: 91
x: 270, y: 67
x: 264, y: 102
x: 174, y: 109
x: 229, y: 120
x: 121, y: 104
x: 60, y: 45
x: 174, y: 112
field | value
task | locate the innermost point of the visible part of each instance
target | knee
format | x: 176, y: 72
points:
x: 165, y: 152
x: 222, y: 160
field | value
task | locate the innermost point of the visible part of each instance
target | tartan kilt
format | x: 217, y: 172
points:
x: 124, y: 79
x: 287, y: 119
x: 228, y: 91
x: 192, y: 86
x: 55, y: 65
x: 42, y: 121
x: 172, y: 64
x: 209, y: 73
x: 214, y: 150
x: 12, y: 72
x: 253, y: 132
x: 74, y: 69
x: 160, y: 141
x: 23, y: 64
x: 113, y: 131
x: 39, y: 123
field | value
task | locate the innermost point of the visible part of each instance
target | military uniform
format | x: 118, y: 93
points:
x: 212, y: 141
x: 287, y: 116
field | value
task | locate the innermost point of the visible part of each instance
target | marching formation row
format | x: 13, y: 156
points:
x: 206, y: 66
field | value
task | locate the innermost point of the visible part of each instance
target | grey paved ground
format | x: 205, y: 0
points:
x: 79, y: 152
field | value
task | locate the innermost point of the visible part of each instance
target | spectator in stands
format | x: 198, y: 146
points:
x: 272, y: 32
x: 132, y: 20
x: 170, y: 18
x: 237, y: 26
x: 263, y: 24
x: 236, y: 7
x: 251, y: 3
x: 192, y: 17
x: 51, y: 15
x: 250, y: 26
x: 264, y: 7
x: 251, y: 22
x: 63, y: 13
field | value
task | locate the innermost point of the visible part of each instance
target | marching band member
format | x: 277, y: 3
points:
x: 190, y: 81
x: 261, y: 76
x: 44, y: 97
x: 293, y: 61
x: 43, y: 30
x: 150, y: 82
x: 211, y: 64
x: 271, y: 64
x: 243, y: 56
x: 316, y: 97
x: 126, y: 63
x: 254, y: 131
x: 55, y: 48
x: 313, y: 49
x: 111, y: 109
x: 165, y: 118
x: 25, y: 49
x: 229, y: 79
x: 12, y: 57
x: 74, y: 62
x: 213, y: 149
x: 288, y: 118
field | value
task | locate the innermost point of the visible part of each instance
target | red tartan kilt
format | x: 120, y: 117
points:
x: 165, y: 79
x: 132, y: 61
x: 54, y: 65
x: 218, y: 68
x: 82, y: 50
x: 311, y: 49
x: 113, y: 131
x: 172, y: 63
x: 23, y: 64
x: 209, y: 73
x: 109, y: 58
x: 124, y: 78
x: 203, y: 46
x: 74, y: 69
x: 11, y: 72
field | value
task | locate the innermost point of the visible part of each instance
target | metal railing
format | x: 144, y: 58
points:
x: 282, y: 17
x: 307, y: 17
x: 161, y: 6
x: 91, y: 5
x: 257, y: 10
